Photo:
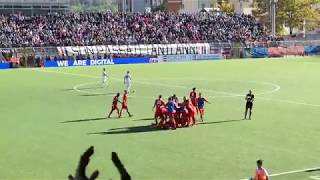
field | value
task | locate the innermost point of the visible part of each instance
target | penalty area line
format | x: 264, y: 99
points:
x: 290, y: 172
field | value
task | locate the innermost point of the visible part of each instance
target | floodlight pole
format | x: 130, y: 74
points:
x: 241, y: 6
x: 304, y: 27
x: 273, y: 4
x: 124, y: 4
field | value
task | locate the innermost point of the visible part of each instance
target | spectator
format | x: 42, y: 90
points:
x: 74, y: 29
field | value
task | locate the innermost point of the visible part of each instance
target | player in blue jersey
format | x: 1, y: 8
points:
x: 171, y: 108
x: 200, y: 102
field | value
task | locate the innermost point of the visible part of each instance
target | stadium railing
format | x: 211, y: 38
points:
x: 36, y: 56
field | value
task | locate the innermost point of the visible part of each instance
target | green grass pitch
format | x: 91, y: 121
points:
x: 46, y: 124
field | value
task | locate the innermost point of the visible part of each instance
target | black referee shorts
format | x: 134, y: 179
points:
x: 249, y: 105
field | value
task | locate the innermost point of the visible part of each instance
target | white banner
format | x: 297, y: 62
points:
x: 188, y: 57
x: 148, y: 49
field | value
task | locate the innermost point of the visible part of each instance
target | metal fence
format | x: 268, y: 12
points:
x: 32, y: 56
x: 282, y: 43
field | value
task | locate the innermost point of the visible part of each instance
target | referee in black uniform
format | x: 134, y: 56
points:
x: 249, y: 104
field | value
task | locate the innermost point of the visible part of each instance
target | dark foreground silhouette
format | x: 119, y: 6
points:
x: 84, y: 161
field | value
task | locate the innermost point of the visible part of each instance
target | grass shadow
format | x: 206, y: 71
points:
x: 144, y: 119
x: 313, y: 170
x: 220, y: 122
x: 129, y: 130
x: 88, y: 88
x: 69, y: 89
x: 85, y: 120
x: 148, y: 128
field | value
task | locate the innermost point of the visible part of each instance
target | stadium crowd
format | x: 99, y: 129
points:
x: 73, y: 29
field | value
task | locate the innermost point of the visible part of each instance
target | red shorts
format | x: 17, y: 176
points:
x: 164, y: 112
x: 201, y: 110
x: 191, y: 112
x: 185, y: 115
x: 194, y: 102
x: 171, y: 114
x: 158, y: 113
x: 124, y: 106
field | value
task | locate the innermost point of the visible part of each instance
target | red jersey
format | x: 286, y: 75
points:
x: 159, y: 103
x: 125, y: 100
x: 190, y: 108
x: 193, y: 94
x: 163, y: 110
x: 115, y: 101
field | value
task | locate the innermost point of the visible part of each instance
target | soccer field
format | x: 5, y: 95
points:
x: 50, y: 116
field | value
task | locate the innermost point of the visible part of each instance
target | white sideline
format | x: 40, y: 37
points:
x: 289, y: 172
x: 226, y: 94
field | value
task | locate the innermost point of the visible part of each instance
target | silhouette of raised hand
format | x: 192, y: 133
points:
x: 122, y: 170
x: 81, y: 170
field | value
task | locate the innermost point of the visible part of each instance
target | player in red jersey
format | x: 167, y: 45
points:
x: 201, y: 100
x: 158, y: 104
x: 191, y: 113
x: 115, y: 105
x: 184, y: 113
x: 163, y: 116
x: 193, y: 98
x: 125, y: 104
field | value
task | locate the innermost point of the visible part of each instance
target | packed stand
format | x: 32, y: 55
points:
x: 74, y: 29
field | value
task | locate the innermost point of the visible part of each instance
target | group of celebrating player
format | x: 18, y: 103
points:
x: 171, y: 114
x: 175, y: 114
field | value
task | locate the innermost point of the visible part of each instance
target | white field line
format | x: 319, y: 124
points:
x: 66, y: 73
x: 315, y: 177
x: 276, y: 87
x: 139, y: 82
x: 311, y: 63
x: 290, y: 102
x: 227, y: 94
x: 77, y: 88
x: 290, y: 172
